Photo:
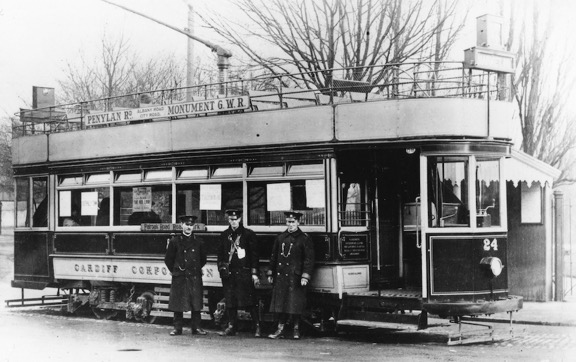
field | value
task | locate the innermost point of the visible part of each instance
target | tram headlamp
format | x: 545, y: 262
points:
x: 492, y: 265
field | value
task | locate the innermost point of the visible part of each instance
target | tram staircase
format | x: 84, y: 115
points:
x: 392, y: 309
x: 160, y: 305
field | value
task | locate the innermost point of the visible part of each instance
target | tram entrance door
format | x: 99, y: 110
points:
x: 385, y: 246
x: 395, y: 185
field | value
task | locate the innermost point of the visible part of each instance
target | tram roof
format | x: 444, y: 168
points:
x: 522, y: 167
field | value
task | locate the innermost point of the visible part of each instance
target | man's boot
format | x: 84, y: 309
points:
x: 296, y: 329
x: 257, y: 329
x: 279, y: 332
x: 196, y: 320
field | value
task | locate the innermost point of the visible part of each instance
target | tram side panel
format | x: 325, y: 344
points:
x: 32, y: 269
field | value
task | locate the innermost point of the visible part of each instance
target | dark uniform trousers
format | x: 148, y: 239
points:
x: 185, y: 257
x: 238, y: 254
x: 292, y: 259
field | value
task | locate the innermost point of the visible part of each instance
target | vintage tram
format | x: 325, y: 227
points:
x: 399, y: 181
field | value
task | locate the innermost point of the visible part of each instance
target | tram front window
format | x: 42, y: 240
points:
x: 35, y: 203
x: 488, y: 192
x: 448, y: 191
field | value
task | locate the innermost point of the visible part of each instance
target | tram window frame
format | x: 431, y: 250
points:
x: 488, y: 214
x: 135, y: 218
x: 216, y: 219
x: 196, y: 173
x: 158, y: 175
x: 531, y: 203
x: 36, y: 202
x: 81, y: 211
x: 226, y: 172
x: 98, y: 179
x: 298, y: 194
x: 262, y: 171
x: 459, y: 207
x: 128, y: 177
x: 352, y: 223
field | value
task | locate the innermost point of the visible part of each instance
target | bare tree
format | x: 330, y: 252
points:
x: 118, y: 71
x: 6, y: 175
x: 543, y: 85
x: 312, y: 36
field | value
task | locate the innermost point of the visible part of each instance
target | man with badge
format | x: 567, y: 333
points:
x: 185, y: 257
x: 238, y: 267
x: 291, y: 267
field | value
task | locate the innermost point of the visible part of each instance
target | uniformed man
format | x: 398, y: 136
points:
x: 291, y: 266
x: 238, y: 266
x: 185, y: 257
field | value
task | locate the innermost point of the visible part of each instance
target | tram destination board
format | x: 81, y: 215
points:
x: 354, y: 246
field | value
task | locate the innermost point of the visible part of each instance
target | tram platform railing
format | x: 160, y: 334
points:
x: 278, y: 91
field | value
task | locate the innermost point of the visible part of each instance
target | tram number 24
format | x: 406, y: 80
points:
x: 490, y: 245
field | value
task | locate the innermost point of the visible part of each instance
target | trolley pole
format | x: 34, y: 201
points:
x: 223, y: 62
x: 559, y: 247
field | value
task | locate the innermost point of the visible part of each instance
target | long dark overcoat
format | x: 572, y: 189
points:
x: 292, y: 259
x: 239, y: 289
x: 185, y: 258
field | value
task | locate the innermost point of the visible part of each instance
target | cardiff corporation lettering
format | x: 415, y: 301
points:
x: 114, y: 269
x: 169, y: 110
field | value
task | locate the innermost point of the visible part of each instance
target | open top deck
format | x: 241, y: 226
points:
x: 400, y: 101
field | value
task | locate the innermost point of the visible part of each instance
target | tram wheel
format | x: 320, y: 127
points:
x: 105, y: 314
x: 149, y: 299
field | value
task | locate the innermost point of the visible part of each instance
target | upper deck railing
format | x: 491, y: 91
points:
x: 323, y: 87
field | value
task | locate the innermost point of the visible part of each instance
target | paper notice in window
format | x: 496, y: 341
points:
x: 65, y: 203
x: 141, y: 199
x: 89, y: 203
x: 278, y: 197
x: 211, y: 197
x: 315, y: 193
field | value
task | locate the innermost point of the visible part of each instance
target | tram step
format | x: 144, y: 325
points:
x: 375, y: 325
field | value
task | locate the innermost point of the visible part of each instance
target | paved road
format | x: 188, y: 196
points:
x: 50, y: 336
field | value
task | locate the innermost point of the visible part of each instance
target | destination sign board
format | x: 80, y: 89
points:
x: 169, y: 110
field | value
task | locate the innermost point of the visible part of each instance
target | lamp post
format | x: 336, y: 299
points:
x: 223, y: 62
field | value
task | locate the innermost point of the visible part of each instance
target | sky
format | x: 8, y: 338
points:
x: 38, y: 38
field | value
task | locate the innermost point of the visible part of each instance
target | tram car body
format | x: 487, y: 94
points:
x: 402, y: 193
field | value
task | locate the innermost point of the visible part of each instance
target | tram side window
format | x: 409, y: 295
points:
x: 84, y: 207
x: 267, y: 201
x: 135, y: 205
x: 35, y: 203
x: 448, y: 193
x: 488, y: 192
x: 209, y: 201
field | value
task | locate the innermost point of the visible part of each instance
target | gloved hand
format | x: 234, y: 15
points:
x: 255, y: 280
x: 304, y: 282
